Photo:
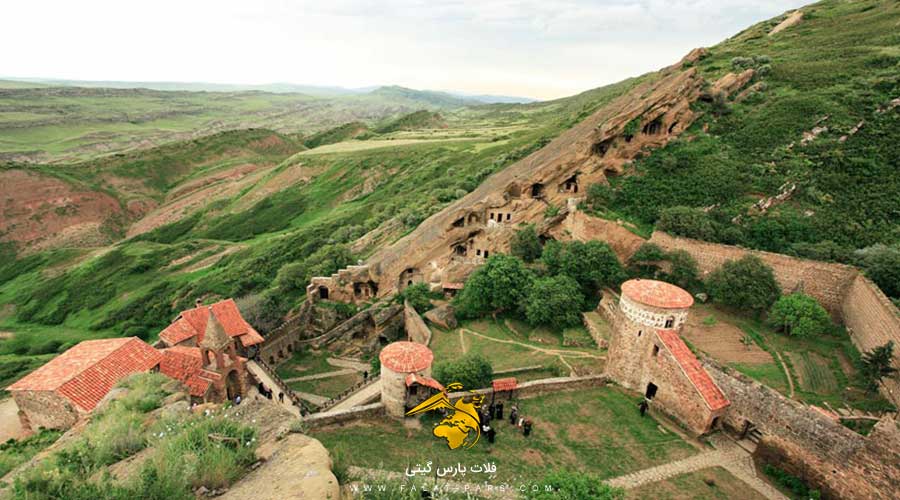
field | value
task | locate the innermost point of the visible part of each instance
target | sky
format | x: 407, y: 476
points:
x: 534, y: 48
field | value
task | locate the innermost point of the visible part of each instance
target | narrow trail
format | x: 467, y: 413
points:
x: 549, y: 352
x: 462, y: 342
x: 787, y: 373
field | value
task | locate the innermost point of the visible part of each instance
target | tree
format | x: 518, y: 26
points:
x: 500, y: 285
x: 592, y: 264
x: 688, y: 222
x: 526, y: 244
x: 799, y: 314
x: 877, y: 365
x: 473, y: 371
x: 747, y: 283
x: 599, y: 195
x: 418, y: 296
x: 565, y: 485
x: 684, y: 272
x: 882, y: 264
x: 554, y: 301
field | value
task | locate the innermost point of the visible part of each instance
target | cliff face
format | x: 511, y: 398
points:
x: 449, y: 244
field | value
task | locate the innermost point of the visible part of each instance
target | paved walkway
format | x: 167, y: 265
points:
x: 266, y: 379
x: 336, y: 373
x: 727, y: 454
x: 361, y: 397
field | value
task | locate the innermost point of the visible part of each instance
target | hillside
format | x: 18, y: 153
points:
x: 253, y: 214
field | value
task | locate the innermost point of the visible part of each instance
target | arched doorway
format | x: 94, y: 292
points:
x: 233, y: 385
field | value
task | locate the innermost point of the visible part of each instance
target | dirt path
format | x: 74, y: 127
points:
x: 362, y: 397
x: 336, y: 373
x: 549, y: 352
x: 787, y: 373
x: 462, y: 342
x: 348, y: 363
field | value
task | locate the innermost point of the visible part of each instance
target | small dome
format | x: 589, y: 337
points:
x: 657, y: 294
x: 406, y: 357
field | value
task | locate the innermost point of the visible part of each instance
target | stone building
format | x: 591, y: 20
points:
x: 647, y: 354
x: 188, y: 328
x: 57, y: 394
x: 212, y: 372
x: 406, y: 376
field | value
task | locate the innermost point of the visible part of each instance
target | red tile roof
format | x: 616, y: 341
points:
x: 504, y: 384
x: 709, y: 391
x: 412, y: 378
x: 406, y: 357
x: 85, y: 373
x: 657, y: 294
x: 192, y: 323
x: 185, y: 364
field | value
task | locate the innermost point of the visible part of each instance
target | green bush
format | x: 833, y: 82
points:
x: 473, y: 371
x: 566, y: 485
x: 526, y: 244
x: 599, y: 195
x: 500, y: 285
x: 592, y: 264
x: 792, y: 483
x: 554, y: 301
x: 747, y: 283
x: 882, y: 266
x: 799, y: 314
x: 418, y: 296
x: 684, y: 271
x: 687, y: 222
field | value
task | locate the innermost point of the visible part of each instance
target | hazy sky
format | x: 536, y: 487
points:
x: 536, y: 48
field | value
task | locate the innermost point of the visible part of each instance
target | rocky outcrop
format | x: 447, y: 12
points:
x: 443, y: 316
x: 791, y: 20
x: 296, y: 466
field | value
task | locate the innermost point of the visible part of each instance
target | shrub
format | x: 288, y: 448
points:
x: 684, y: 271
x: 599, y: 195
x: 876, y: 365
x: 793, y: 483
x: 882, y: 266
x: 554, y: 301
x: 747, y: 283
x: 592, y: 264
x: 473, y: 371
x: 418, y: 296
x: 565, y: 485
x: 526, y: 244
x: 500, y: 285
x: 799, y: 314
x: 688, y: 222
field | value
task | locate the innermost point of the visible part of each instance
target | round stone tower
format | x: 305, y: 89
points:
x: 645, y: 306
x: 398, y: 361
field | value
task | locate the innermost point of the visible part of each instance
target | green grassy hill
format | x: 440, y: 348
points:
x: 303, y: 211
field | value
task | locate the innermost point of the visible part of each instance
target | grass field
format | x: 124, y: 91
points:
x: 597, y: 431
x: 705, y: 484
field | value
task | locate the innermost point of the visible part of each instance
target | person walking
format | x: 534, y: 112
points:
x: 643, y: 406
x: 513, y: 415
x: 491, y: 433
x: 526, y: 427
x: 366, y: 376
x: 498, y: 411
x: 281, y: 397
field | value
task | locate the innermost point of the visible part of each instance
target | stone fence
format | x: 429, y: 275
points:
x: 810, y: 444
x: 337, y: 417
x: 346, y: 393
x: 543, y: 386
x: 416, y: 329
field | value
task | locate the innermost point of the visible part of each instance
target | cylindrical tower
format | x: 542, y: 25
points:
x: 398, y: 360
x: 644, y: 307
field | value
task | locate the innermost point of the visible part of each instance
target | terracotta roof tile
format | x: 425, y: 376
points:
x: 85, y: 373
x: 184, y: 364
x: 657, y: 294
x: 406, y: 357
x: 504, y: 384
x: 412, y: 378
x: 700, y: 379
x: 193, y: 323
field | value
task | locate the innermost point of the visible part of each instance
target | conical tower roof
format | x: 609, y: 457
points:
x: 215, y: 338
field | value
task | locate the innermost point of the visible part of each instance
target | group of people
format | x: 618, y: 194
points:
x: 268, y: 394
x: 495, y: 412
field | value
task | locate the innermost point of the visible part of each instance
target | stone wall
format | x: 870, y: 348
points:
x: 801, y: 440
x: 826, y: 282
x: 416, y: 329
x: 873, y: 321
x: 540, y: 387
x: 340, y: 416
x: 45, y: 409
x: 582, y: 227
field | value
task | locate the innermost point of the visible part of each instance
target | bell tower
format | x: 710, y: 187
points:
x: 219, y: 356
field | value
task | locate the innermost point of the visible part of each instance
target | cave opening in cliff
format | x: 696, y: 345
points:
x: 537, y: 190
x: 514, y: 191
x: 654, y: 127
x: 570, y: 185
x: 323, y: 292
x: 460, y: 250
x: 473, y: 218
x: 459, y: 222
x: 602, y: 147
x: 672, y: 126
